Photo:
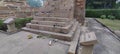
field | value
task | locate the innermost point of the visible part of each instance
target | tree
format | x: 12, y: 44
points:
x: 2, y: 3
x: 97, y: 4
x: 118, y: 5
x: 35, y: 4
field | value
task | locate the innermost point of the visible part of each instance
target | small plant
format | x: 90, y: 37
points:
x: 43, y: 36
x: 3, y: 26
x: 21, y: 22
x: 40, y: 36
x: 103, y: 16
x: 111, y: 17
x: 29, y: 36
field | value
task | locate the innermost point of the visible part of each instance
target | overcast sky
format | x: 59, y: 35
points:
x: 118, y: 1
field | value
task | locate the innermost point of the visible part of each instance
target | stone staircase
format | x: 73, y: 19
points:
x: 55, y: 27
x: 55, y: 19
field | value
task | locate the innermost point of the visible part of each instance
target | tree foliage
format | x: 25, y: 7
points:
x: 118, y: 5
x: 100, y: 4
x: 35, y: 3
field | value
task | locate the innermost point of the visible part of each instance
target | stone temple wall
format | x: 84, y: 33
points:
x: 80, y: 10
x: 54, y: 8
x: 64, y: 8
x: 57, y: 8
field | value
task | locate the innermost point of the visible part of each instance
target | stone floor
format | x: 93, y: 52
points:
x: 107, y: 42
x: 19, y: 43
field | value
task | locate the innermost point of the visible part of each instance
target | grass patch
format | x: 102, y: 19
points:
x: 113, y: 24
x: 3, y: 26
x: 21, y: 22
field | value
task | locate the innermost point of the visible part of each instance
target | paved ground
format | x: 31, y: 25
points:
x: 107, y: 43
x: 19, y: 44
x: 118, y: 33
x: 2, y: 36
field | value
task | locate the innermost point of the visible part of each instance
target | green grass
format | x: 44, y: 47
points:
x: 113, y: 24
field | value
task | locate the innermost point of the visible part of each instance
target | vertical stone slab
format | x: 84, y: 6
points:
x: 11, y: 27
x: 87, y: 50
x: 80, y: 10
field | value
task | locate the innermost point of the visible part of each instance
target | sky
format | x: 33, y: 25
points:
x: 118, y: 1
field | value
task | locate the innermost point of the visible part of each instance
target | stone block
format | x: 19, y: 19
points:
x: 87, y: 50
x: 57, y: 19
x: 88, y: 39
x: 34, y: 26
x: 60, y: 36
x: 74, y: 43
x: 72, y: 48
x: 28, y: 25
x: 10, y: 25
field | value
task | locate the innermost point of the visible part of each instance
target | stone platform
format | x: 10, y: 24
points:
x: 55, y: 19
x: 55, y: 27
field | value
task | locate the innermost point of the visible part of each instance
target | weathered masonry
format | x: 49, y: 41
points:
x: 58, y: 18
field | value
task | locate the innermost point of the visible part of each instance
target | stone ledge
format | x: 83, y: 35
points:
x: 66, y: 37
x: 65, y: 29
x: 57, y: 19
x: 62, y: 24
x: 88, y: 39
x: 74, y: 43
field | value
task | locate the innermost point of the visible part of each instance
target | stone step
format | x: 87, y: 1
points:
x: 57, y: 19
x: 74, y: 43
x: 4, y: 8
x: 52, y: 28
x: 61, y: 36
x: 52, y: 23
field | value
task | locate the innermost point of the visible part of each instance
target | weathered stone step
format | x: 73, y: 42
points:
x: 52, y: 28
x: 57, y: 19
x: 4, y: 8
x: 52, y: 23
x: 74, y: 43
x: 61, y: 36
x: 3, y: 15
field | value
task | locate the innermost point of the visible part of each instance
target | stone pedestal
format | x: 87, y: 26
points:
x: 87, y: 49
x: 10, y: 25
x: 88, y: 40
